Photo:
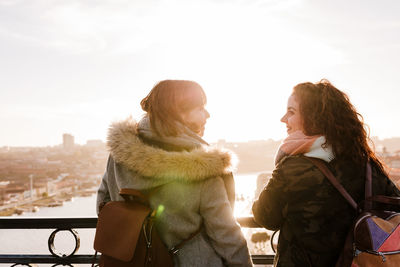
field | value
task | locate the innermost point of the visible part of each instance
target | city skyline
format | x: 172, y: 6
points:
x: 77, y: 66
x: 391, y: 145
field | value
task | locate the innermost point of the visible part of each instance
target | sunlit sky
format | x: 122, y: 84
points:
x: 75, y: 66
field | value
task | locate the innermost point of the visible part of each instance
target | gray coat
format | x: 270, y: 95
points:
x: 193, y: 194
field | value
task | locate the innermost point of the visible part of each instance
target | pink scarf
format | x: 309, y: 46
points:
x: 296, y: 143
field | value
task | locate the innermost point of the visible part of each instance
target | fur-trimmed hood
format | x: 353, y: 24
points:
x: 200, y: 163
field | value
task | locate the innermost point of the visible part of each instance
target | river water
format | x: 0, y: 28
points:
x: 34, y: 241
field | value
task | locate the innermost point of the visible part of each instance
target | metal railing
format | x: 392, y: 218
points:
x: 69, y: 224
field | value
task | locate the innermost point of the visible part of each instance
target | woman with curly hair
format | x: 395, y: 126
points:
x: 312, y: 216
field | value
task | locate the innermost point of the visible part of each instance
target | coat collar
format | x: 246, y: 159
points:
x: 187, y: 140
x: 200, y: 163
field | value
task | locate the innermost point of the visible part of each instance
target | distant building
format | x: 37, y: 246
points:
x: 3, y: 186
x: 94, y: 143
x: 19, y: 149
x: 4, y: 149
x: 68, y: 141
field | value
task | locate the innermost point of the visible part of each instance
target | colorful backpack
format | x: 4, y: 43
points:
x: 374, y: 239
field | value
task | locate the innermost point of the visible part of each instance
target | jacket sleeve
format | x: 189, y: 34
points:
x: 103, y: 194
x: 268, y: 209
x: 220, y: 225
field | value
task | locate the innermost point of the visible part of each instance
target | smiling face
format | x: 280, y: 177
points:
x: 196, y: 119
x: 292, y: 118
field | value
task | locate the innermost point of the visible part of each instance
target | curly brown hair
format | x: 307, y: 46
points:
x: 327, y: 111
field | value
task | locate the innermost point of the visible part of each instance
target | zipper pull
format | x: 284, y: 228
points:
x: 356, y: 251
x: 383, y: 256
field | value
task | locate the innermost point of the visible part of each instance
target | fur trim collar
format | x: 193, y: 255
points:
x: 201, y: 163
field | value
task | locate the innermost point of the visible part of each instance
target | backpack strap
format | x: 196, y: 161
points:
x: 368, y: 187
x: 386, y: 200
x: 368, y: 181
x: 176, y: 248
x: 127, y: 192
x: 369, y: 198
x: 324, y: 169
x: 130, y: 193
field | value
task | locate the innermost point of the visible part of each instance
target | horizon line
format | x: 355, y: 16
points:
x: 373, y: 138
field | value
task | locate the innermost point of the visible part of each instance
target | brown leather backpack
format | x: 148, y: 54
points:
x: 126, y: 236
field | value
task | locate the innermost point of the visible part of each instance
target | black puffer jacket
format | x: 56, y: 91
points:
x: 312, y: 216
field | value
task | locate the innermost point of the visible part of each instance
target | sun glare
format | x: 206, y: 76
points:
x: 245, y: 187
x: 246, y: 55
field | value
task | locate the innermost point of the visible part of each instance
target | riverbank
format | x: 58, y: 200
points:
x: 56, y: 200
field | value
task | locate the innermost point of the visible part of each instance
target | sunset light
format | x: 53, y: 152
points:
x: 200, y: 131
x: 76, y: 66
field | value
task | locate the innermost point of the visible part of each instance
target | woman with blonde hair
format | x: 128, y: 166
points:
x: 312, y: 216
x: 164, y: 156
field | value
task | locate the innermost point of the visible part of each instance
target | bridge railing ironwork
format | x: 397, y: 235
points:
x: 69, y: 224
